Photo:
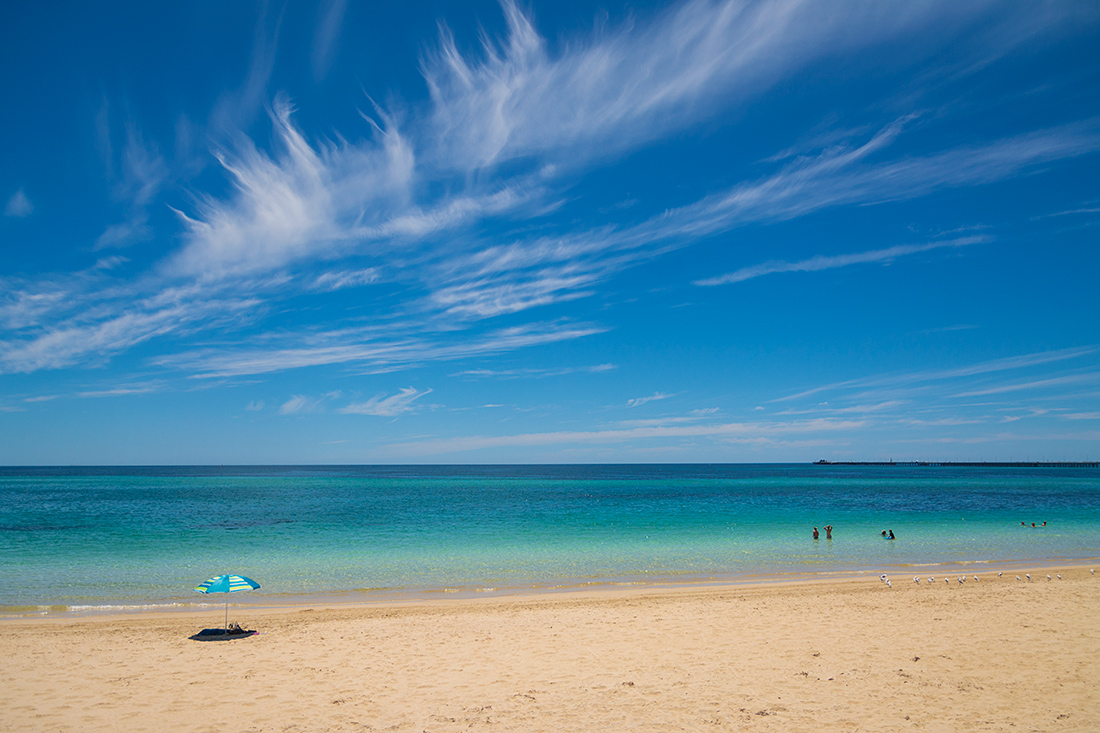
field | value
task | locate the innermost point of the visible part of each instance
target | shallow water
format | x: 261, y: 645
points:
x: 133, y: 537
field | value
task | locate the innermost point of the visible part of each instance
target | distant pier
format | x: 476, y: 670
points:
x: 967, y: 464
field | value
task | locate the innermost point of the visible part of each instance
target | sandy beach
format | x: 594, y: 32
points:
x: 849, y: 655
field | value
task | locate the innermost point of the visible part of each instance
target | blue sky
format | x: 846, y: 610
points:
x: 488, y: 232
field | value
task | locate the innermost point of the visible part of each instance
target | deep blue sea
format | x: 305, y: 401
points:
x: 96, y: 538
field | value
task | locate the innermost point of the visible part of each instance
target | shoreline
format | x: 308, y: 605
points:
x: 610, y: 589
x: 842, y: 654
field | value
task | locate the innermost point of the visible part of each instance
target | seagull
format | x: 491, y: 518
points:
x: 1048, y: 576
x: 961, y: 579
x: 930, y: 581
x: 882, y: 578
x: 975, y: 578
x: 1000, y: 574
x: 1059, y: 576
x: 1017, y: 577
x: 888, y: 583
x: 1092, y: 571
x: 916, y: 579
x: 1027, y: 575
x: 947, y: 580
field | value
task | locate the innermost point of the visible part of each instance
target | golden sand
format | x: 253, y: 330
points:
x: 990, y: 655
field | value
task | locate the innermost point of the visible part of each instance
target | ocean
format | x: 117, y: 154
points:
x: 78, y: 540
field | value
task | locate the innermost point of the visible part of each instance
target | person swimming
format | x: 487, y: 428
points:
x: 891, y: 535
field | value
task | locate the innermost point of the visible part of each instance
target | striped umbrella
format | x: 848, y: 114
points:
x: 227, y: 584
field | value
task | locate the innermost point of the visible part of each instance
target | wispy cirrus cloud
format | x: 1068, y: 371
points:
x: 1033, y: 384
x: 534, y: 372
x: 107, y: 327
x: 521, y: 99
x: 301, y: 404
x: 340, y: 279
x: 992, y: 366
x: 236, y: 108
x: 864, y: 175
x: 295, y: 205
x: 1081, y: 416
x: 137, y: 175
x: 124, y: 390
x: 326, y: 37
x: 383, y: 405
x: 720, y: 431
x: 406, y: 201
x: 403, y: 347
x: 19, y: 205
x: 622, y: 87
x: 828, y: 262
x: 525, y: 274
x: 639, y: 401
x: 42, y: 398
x: 862, y: 409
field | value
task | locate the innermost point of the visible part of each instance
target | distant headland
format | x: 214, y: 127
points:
x: 968, y: 464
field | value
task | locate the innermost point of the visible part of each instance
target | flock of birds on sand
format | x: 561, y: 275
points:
x: 962, y: 578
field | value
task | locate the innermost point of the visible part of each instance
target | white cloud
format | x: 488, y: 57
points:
x: 1081, y: 416
x: 862, y: 409
x: 104, y: 331
x: 340, y: 279
x: 254, y: 406
x: 948, y: 329
x: 621, y: 87
x: 124, y: 234
x: 1034, y: 384
x: 236, y: 109
x: 144, y: 173
x: 404, y: 347
x: 724, y: 431
x: 525, y: 274
x: 124, y: 390
x: 375, y: 208
x: 326, y: 37
x: 299, y: 404
x: 1023, y: 361
x: 845, y: 175
x: 19, y: 205
x: 822, y: 262
x: 639, y: 401
x: 614, y: 89
x: 304, y: 203
x: 535, y: 372
x: 387, y: 406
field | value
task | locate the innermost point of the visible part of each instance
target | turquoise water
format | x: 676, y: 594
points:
x: 113, y: 537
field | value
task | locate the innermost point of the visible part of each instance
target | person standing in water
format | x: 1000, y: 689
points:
x: 815, y: 533
x: 828, y: 531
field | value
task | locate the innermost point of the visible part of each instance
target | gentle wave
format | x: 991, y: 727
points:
x: 136, y: 539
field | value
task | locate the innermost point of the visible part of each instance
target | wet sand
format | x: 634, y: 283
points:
x: 996, y: 654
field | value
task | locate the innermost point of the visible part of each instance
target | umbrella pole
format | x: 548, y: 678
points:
x: 227, y: 613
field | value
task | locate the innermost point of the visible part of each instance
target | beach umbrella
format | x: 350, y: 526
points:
x: 227, y: 584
